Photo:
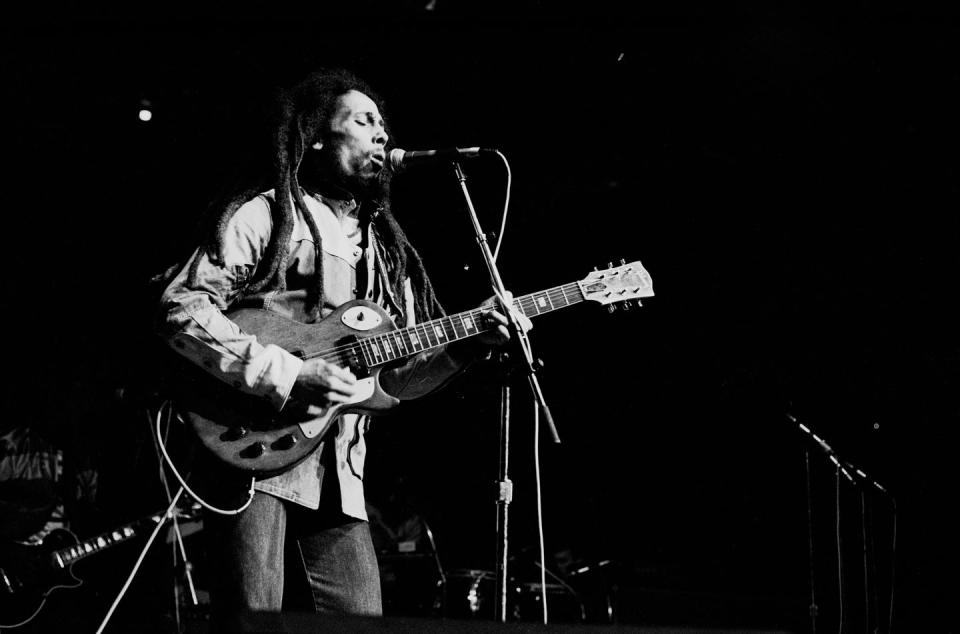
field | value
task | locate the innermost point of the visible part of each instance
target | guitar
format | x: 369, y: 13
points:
x: 30, y: 572
x: 248, y: 434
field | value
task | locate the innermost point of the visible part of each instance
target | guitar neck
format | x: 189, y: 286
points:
x: 405, y: 342
x: 64, y: 557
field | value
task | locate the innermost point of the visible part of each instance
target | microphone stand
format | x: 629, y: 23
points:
x: 442, y: 582
x: 813, y: 609
x: 504, y: 495
x: 857, y: 477
x: 520, y: 342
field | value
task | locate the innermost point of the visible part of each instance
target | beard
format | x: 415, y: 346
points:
x: 372, y: 187
x: 322, y: 172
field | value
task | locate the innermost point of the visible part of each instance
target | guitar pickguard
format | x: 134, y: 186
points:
x: 314, y: 427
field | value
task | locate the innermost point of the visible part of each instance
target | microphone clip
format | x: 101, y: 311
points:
x: 849, y: 471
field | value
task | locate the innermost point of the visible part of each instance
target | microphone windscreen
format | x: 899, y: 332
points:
x: 395, y: 160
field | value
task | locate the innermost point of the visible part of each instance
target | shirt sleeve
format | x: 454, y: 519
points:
x: 191, y: 313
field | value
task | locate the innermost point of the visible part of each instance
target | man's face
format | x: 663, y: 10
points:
x: 357, y: 142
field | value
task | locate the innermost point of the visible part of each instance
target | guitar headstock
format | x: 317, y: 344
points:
x: 617, y: 284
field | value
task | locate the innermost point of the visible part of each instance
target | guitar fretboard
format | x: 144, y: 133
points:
x: 66, y: 556
x: 398, y: 344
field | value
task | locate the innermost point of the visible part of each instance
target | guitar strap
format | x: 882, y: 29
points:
x: 380, y: 290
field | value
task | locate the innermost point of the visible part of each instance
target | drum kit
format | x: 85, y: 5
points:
x: 470, y: 594
x: 414, y: 585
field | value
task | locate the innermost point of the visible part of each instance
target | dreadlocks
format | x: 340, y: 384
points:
x: 302, y: 116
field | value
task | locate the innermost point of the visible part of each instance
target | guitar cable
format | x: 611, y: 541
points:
x: 179, y: 549
x: 506, y: 206
x: 169, y: 514
x: 167, y: 405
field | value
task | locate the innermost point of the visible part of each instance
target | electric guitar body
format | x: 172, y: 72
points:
x: 28, y: 578
x: 29, y: 573
x: 249, y: 434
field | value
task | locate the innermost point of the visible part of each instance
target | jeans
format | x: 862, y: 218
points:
x: 256, y: 555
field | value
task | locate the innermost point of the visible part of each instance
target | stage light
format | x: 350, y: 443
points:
x: 146, y: 111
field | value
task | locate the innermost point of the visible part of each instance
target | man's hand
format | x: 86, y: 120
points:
x: 494, y: 323
x: 492, y: 317
x: 499, y: 335
x: 323, y: 383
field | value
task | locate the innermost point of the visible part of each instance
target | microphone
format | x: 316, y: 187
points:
x: 398, y: 160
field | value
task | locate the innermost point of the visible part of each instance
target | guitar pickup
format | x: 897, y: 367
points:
x: 352, y: 356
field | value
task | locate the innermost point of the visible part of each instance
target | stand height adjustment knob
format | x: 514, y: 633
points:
x: 504, y: 492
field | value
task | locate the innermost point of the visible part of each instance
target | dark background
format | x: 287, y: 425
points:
x: 787, y: 174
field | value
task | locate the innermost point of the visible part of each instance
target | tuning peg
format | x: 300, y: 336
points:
x: 611, y: 308
x: 609, y: 265
x: 623, y: 261
x: 626, y: 305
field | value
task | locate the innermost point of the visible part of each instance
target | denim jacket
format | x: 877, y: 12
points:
x: 192, y: 321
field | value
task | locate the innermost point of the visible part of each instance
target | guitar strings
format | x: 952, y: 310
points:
x: 337, y: 352
x: 426, y: 326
